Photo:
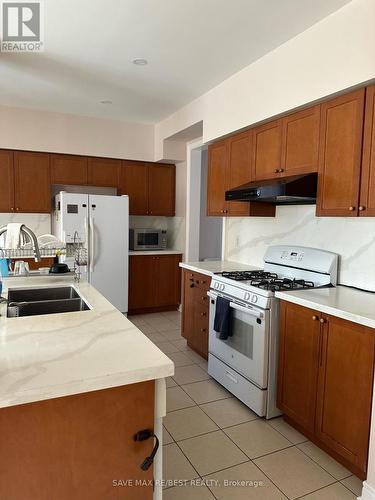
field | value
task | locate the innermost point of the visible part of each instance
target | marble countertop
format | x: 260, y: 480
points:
x: 155, y: 252
x: 343, y: 302
x: 211, y: 267
x: 49, y: 356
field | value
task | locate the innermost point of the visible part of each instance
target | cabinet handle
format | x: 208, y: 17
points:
x: 361, y: 208
x: 315, y: 318
x: 203, y: 330
x: 203, y: 314
x: 323, y: 320
x: 17, y: 209
x: 281, y: 170
x: 192, y: 285
x: 352, y: 209
x: 276, y: 170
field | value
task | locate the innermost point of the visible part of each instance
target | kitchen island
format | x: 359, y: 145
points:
x: 74, y: 389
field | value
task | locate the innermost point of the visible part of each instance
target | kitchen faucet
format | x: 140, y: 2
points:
x: 28, y: 232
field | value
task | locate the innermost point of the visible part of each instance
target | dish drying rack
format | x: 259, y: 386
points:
x: 25, y: 253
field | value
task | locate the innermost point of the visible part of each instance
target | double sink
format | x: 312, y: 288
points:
x: 37, y: 301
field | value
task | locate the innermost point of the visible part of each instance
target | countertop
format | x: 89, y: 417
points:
x: 343, y: 302
x: 155, y: 252
x: 49, y: 356
x: 211, y: 267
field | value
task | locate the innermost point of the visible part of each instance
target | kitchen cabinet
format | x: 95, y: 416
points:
x: 7, y: 181
x: 76, y: 446
x: 300, y: 142
x: 154, y: 283
x: 103, y: 172
x: 229, y: 166
x: 68, y: 169
x: 332, y: 360
x: 32, y: 184
x: 340, y: 155
x: 150, y: 187
x: 367, y: 195
x: 267, y: 150
x: 195, y: 311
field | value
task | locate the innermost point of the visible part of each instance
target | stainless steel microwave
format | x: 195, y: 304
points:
x: 147, y: 239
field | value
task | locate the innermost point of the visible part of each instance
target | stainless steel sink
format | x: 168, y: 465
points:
x: 38, y: 301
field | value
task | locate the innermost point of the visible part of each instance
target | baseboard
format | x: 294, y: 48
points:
x: 368, y: 492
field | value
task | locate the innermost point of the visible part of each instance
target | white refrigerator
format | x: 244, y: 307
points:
x: 100, y: 224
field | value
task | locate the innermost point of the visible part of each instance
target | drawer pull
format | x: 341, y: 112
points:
x: 315, y: 318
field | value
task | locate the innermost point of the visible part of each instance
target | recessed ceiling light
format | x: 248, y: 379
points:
x: 140, y: 62
x: 106, y: 101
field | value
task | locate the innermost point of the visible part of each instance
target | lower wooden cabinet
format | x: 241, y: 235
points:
x: 195, y: 311
x: 325, y: 382
x: 78, y: 447
x: 154, y: 283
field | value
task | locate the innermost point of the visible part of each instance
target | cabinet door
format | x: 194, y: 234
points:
x: 142, y: 273
x: 367, y: 198
x: 340, y: 155
x: 161, y: 189
x: 240, y: 147
x: 345, y: 389
x: 298, y: 363
x: 267, y: 150
x: 168, y: 280
x: 103, y: 172
x: 7, y: 181
x: 68, y: 169
x: 217, y: 178
x: 133, y: 181
x: 301, y: 141
x: 32, y: 182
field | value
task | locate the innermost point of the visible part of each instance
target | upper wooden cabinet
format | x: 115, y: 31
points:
x: 150, y: 187
x: 229, y: 166
x: 103, y: 172
x: 340, y: 155
x: 323, y: 361
x: 367, y: 194
x: 68, y: 169
x: 161, y: 189
x: 32, y: 184
x: 7, y: 181
x: 267, y: 150
x: 300, y: 142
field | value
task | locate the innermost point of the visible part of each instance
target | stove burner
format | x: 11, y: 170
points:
x: 248, y: 275
x: 277, y: 284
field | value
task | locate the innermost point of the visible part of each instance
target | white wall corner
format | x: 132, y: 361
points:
x: 368, y: 492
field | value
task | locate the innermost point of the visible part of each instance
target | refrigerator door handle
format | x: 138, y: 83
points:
x: 86, y: 242
x: 92, y: 252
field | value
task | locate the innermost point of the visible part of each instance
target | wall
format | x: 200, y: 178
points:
x: 351, y: 237
x: 334, y: 54
x: 37, y: 130
x: 39, y: 223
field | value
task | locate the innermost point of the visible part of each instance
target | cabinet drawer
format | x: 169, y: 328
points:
x: 199, y: 280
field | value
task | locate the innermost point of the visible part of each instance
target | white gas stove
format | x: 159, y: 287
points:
x: 246, y: 361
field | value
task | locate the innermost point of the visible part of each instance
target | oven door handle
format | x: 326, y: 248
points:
x: 246, y: 310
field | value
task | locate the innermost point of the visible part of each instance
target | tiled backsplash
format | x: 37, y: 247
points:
x: 39, y: 223
x: 175, y: 226
x: 353, y: 238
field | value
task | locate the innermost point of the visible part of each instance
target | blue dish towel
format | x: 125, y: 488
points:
x: 222, y: 321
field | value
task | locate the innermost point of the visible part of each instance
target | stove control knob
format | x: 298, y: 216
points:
x: 247, y: 296
x: 222, y: 287
x: 254, y: 299
x: 216, y: 285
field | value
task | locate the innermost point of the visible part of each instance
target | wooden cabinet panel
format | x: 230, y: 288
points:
x: 217, y: 178
x: 300, y: 147
x: 345, y: 389
x: 240, y: 147
x: 68, y: 169
x: 141, y: 282
x: 133, y: 181
x: 73, y: 447
x: 367, y: 198
x: 267, y: 150
x: 161, y: 189
x: 6, y: 181
x: 168, y: 280
x: 154, y: 283
x: 32, y: 182
x: 298, y: 363
x: 103, y: 172
x: 340, y: 155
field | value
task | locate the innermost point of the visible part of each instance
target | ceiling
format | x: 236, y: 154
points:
x: 191, y: 46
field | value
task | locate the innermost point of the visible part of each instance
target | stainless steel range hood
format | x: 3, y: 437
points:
x: 292, y: 190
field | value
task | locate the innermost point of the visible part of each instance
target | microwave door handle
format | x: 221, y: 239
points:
x: 246, y: 310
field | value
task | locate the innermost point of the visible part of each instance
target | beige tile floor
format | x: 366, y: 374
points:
x: 219, y: 449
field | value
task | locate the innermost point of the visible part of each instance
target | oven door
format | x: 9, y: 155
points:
x: 246, y: 351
